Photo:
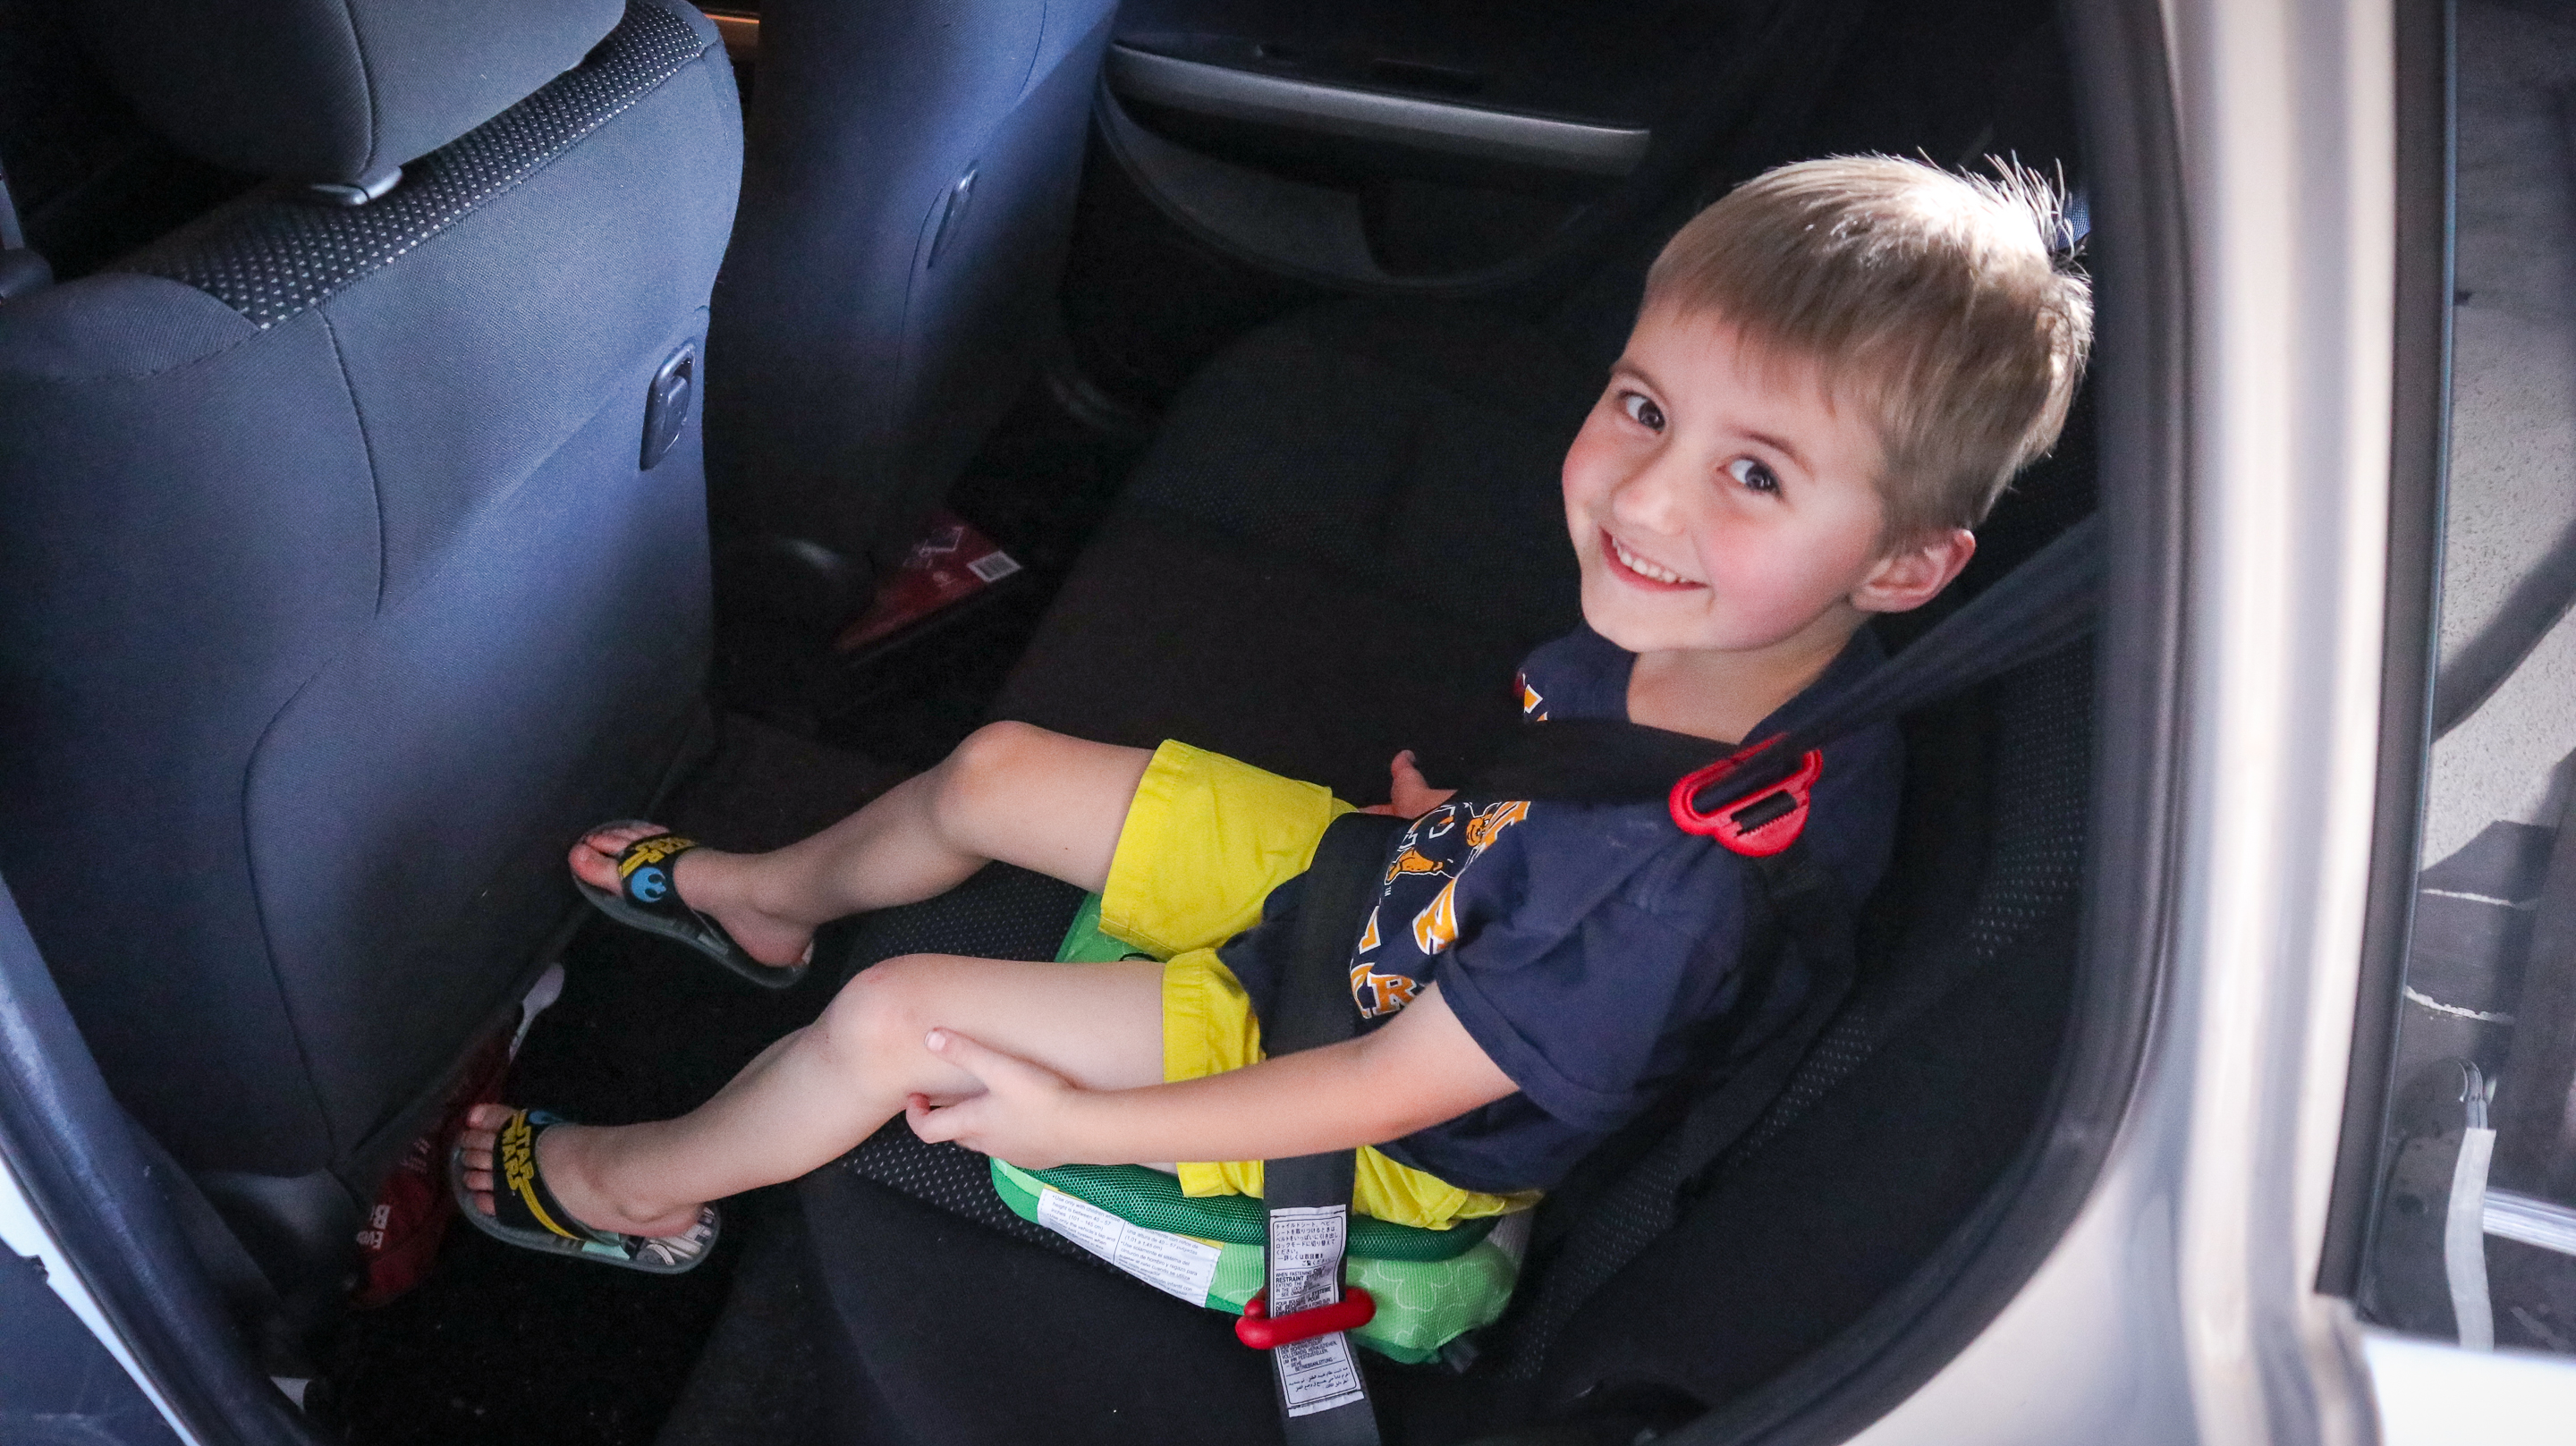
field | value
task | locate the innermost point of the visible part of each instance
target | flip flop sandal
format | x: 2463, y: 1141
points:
x: 647, y: 901
x: 528, y: 1215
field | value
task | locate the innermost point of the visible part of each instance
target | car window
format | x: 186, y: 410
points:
x: 2476, y: 1207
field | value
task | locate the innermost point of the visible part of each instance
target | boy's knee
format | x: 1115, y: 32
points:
x: 989, y: 771
x: 874, y: 1015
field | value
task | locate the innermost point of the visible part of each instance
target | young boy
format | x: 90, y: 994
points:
x: 1835, y: 371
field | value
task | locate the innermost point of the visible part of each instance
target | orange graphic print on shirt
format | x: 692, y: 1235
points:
x: 1440, y: 845
x: 1533, y: 707
x: 1490, y: 820
x: 1381, y: 993
x: 1414, y: 861
x: 1436, y: 928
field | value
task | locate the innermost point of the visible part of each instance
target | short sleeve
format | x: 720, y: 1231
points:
x: 1580, y: 675
x: 1583, y: 1019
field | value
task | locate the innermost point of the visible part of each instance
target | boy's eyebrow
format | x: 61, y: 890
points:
x: 1781, y: 445
x: 1623, y: 364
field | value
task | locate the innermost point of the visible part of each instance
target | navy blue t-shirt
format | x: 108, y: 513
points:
x: 1581, y: 944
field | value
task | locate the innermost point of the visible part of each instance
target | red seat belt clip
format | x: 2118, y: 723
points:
x: 1262, y: 1331
x: 1756, y: 827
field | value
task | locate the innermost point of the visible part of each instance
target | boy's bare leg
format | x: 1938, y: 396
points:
x: 811, y: 1096
x: 1010, y: 792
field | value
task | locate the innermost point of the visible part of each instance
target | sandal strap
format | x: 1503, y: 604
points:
x: 521, y: 1191
x: 644, y: 868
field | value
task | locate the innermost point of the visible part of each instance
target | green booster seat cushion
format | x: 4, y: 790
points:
x: 1431, y: 1286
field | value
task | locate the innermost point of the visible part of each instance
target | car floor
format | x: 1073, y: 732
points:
x: 504, y: 1346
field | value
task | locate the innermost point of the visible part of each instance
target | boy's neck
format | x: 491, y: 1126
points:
x: 1724, y: 695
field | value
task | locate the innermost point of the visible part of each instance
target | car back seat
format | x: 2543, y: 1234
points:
x: 1348, y: 526
x: 1344, y: 538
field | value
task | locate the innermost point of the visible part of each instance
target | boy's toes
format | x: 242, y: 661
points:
x: 594, y: 858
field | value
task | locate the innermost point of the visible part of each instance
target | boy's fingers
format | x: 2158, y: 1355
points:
x: 936, y: 1123
x: 925, y: 1121
x: 984, y: 1062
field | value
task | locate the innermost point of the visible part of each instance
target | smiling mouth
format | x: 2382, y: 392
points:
x: 1642, y: 569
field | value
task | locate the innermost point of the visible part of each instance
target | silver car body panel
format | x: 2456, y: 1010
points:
x: 2433, y: 1394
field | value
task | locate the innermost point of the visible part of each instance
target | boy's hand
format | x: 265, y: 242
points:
x: 1410, y: 795
x: 1023, y: 1116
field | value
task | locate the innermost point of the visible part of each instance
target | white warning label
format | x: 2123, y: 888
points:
x: 1318, y: 1374
x: 1306, y: 1256
x: 1306, y: 1246
x: 1172, y: 1263
x: 994, y: 566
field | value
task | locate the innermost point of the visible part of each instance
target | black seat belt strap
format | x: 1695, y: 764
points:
x: 2041, y: 606
x: 1323, y: 1399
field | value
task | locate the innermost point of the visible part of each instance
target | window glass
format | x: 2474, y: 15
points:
x: 2478, y: 1192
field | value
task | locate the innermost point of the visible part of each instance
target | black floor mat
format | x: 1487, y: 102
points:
x: 504, y: 1346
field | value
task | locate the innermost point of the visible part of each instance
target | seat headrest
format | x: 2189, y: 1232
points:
x: 337, y: 91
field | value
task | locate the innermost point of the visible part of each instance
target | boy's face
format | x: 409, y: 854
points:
x: 1720, y: 504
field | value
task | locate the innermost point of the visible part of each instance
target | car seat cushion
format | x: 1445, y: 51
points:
x: 1354, y: 497
x: 1416, y: 451
x: 337, y: 91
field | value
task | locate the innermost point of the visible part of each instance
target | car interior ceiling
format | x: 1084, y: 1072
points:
x: 1268, y: 404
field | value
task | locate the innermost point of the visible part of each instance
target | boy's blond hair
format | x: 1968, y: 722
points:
x: 1930, y: 299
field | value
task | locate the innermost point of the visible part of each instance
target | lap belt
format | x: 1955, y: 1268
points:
x: 1753, y: 801
x: 1303, y: 1315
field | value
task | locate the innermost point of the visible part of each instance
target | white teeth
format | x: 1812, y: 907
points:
x: 1641, y: 566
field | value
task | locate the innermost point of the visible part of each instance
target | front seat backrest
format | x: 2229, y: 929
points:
x: 906, y: 204
x: 335, y: 590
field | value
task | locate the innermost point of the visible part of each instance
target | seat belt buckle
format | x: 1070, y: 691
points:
x: 1263, y: 1331
x: 1756, y: 827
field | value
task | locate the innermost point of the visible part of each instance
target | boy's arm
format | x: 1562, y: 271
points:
x: 1420, y: 1069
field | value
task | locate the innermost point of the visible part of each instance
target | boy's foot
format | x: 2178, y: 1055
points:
x: 709, y: 881
x: 560, y: 1161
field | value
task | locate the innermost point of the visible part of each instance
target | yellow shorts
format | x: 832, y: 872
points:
x: 1205, y: 842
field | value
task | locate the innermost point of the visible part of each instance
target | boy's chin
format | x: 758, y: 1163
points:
x: 1664, y: 635
x: 1646, y: 635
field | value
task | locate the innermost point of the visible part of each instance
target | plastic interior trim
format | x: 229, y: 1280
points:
x: 67, y: 1143
x: 1438, y: 126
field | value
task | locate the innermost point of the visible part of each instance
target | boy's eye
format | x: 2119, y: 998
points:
x: 1753, y: 474
x: 1642, y: 411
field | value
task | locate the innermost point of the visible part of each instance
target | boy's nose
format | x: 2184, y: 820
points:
x: 1653, y: 495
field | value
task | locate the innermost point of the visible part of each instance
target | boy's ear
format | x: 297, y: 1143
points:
x: 1915, y: 573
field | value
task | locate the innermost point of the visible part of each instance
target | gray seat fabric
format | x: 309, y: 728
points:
x: 1346, y: 535
x: 906, y: 203
x: 333, y: 598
